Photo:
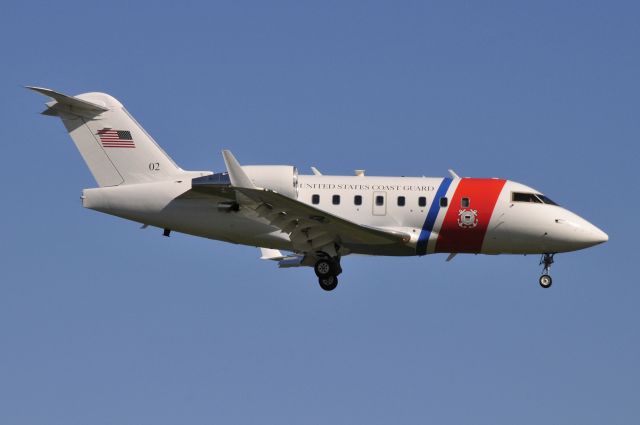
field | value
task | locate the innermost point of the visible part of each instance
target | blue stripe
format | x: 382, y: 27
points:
x: 434, y: 209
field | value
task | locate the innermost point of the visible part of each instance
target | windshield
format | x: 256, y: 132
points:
x: 535, y: 198
x: 545, y: 199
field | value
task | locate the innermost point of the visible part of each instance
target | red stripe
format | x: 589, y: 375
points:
x: 483, y: 195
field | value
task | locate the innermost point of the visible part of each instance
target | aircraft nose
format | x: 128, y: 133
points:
x: 589, y: 235
x: 580, y: 232
x: 597, y: 236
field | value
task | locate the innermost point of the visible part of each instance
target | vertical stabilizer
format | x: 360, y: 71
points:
x: 114, y: 146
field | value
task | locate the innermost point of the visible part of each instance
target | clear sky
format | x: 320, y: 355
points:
x: 104, y: 323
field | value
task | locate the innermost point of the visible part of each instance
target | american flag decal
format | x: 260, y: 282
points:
x: 110, y: 138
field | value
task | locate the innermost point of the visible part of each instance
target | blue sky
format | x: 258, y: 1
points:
x: 103, y: 323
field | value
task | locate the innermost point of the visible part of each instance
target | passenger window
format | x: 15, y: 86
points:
x: 335, y: 200
x: 464, y: 203
x: 401, y: 201
x: 444, y: 201
x: 422, y: 201
x: 357, y: 200
x: 379, y: 200
x: 315, y: 199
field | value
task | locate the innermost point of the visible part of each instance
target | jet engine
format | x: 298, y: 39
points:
x: 280, y: 178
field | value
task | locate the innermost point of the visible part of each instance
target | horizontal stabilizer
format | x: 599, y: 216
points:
x: 73, y: 103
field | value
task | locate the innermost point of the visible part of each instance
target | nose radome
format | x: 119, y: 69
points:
x: 598, y: 235
x: 588, y: 234
x: 578, y: 232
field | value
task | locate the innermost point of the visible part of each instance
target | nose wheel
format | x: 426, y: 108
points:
x: 545, y: 281
x: 546, y: 261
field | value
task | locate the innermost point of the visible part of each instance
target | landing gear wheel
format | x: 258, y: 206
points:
x: 545, y: 281
x: 324, y: 268
x: 328, y: 283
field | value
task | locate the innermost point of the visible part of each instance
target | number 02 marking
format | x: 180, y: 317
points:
x: 154, y: 166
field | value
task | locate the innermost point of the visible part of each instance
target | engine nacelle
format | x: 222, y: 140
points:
x: 280, y: 178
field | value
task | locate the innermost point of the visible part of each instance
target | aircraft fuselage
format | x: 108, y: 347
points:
x: 442, y: 215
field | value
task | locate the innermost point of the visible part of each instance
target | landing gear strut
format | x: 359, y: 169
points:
x: 327, y: 270
x: 545, y: 280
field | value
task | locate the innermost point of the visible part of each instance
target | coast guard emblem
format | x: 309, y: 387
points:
x: 467, y: 219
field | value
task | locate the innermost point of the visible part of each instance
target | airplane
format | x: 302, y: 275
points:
x: 316, y: 219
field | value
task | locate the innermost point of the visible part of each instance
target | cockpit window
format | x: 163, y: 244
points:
x: 525, y: 197
x: 535, y: 198
x: 546, y: 200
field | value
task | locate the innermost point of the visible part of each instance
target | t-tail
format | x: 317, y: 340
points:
x: 117, y: 150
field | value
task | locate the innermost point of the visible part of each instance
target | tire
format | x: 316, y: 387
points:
x: 324, y: 268
x: 545, y: 281
x: 328, y: 283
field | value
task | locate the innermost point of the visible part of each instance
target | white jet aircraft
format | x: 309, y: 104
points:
x: 317, y: 218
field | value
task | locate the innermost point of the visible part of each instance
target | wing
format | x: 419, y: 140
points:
x: 310, y: 229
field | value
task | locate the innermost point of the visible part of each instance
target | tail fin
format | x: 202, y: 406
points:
x: 115, y: 147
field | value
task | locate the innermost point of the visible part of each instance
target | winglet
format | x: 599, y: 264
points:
x: 69, y: 101
x: 236, y: 174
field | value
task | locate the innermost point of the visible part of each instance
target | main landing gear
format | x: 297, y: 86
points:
x: 545, y: 280
x: 327, y: 269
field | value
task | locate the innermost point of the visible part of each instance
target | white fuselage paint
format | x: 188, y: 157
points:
x: 513, y: 227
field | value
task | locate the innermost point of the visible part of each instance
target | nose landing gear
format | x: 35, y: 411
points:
x: 545, y: 280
